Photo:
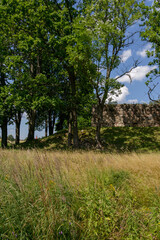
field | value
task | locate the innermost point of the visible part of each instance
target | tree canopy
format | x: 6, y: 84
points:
x: 151, y: 33
x: 57, y: 60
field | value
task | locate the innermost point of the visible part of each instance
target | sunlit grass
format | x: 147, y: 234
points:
x: 114, y: 139
x: 80, y: 195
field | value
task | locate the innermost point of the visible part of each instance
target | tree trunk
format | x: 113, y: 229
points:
x: 72, y: 79
x: 3, y: 117
x: 32, y: 117
x: 70, y: 130
x: 18, y: 123
x: 4, y: 132
x: 52, y: 120
x: 61, y: 118
x: 98, y: 126
x: 98, y: 135
x: 51, y: 125
x: 75, y: 130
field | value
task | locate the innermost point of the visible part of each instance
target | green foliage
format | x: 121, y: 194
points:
x: 106, y: 23
x: 84, y: 122
x: 53, y: 54
x: 26, y: 61
x: 11, y: 138
x: 151, y: 19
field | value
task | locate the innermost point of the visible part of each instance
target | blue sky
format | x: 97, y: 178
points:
x: 24, y: 130
x: 135, y: 91
x: 132, y: 92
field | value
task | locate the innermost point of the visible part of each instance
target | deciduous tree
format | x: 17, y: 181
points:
x: 107, y: 22
x: 151, y: 33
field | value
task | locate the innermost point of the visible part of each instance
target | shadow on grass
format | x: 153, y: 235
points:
x: 114, y: 139
x: 131, y: 138
x: 57, y: 141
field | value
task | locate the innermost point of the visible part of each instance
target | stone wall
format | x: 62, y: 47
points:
x: 130, y: 115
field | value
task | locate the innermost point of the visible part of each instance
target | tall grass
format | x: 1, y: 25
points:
x: 62, y: 195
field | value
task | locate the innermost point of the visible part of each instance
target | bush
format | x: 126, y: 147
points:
x: 11, y: 138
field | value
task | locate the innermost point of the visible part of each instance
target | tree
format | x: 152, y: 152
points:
x: 53, y: 57
x: 75, y: 63
x: 151, y: 33
x: 5, y: 108
x: 5, y: 49
x: 67, y: 12
x: 30, y: 37
x: 107, y: 23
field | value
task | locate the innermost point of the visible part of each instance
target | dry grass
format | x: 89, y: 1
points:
x: 80, y: 162
x: 74, y: 166
x: 58, y: 187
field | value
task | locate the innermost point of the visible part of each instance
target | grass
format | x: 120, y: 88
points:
x: 79, y: 195
x: 115, y: 139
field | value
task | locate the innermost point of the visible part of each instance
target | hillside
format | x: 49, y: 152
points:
x: 114, y: 139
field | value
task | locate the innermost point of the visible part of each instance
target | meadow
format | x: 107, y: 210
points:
x: 79, y: 195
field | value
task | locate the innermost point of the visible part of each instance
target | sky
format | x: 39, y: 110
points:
x: 134, y: 91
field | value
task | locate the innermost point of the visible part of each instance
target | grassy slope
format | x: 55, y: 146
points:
x: 114, y: 139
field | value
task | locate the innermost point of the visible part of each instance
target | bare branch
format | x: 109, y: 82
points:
x: 150, y: 92
x: 127, y: 38
x: 128, y: 72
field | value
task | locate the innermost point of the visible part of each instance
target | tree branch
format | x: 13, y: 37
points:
x: 128, y: 72
x: 150, y: 91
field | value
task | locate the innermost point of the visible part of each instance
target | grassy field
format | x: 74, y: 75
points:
x: 79, y: 195
x: 121, y: 139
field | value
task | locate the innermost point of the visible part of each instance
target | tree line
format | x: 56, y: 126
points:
x: 57, y: 59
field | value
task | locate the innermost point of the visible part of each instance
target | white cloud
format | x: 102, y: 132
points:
x: 125, y: 55
x: 137, y: 74
x: 132, y: 101
x: 121, y: 98
x: 142, y: 53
